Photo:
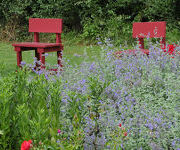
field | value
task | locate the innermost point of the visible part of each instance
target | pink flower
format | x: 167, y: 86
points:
x: 59, y: 131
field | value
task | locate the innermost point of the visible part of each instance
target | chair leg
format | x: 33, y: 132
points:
x: 19, y: 58
x: 42, y: 59
x: 40, y: 52
x: 163, y: 43
x: 59, y: 58
x: 37, y: 56
x: 141, y: 43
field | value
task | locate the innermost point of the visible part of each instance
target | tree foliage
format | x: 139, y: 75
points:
x: 91, y: 17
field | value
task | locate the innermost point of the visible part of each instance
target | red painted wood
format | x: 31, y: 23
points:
x: 163, y: 42
x: 38, y: 58
x: 143, y: 30
x: 141, y: 43
x: 149, y: 29
x: 19, y: 58
x: 58, y: 38
x: 36, y: 54
x: 45, y: 25
x: 37, y: 25
x: 17, y: 49
x: 36, y: 37
x: 41, y: 57
x: 59, y: 58
x: 36, y: 44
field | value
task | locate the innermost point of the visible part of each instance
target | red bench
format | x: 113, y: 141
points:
x: 37, y: 26
x: 143, y: 30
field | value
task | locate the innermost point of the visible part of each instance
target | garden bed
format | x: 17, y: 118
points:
x: 126, y: 103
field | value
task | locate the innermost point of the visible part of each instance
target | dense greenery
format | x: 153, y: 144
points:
x: 131, y: 103
x: 93, y: 18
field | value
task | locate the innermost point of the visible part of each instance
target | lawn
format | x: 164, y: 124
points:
x: 73, y: 53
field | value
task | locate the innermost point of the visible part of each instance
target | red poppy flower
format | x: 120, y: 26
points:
x: 125, y: 133
x: 120, y: 125
x: 170, y: 49
x: 26, y: 145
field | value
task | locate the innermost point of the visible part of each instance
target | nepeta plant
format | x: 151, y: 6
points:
x: 131, y: 102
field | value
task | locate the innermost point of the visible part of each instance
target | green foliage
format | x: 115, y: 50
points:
x: 160, y: 10
x: 82, y: 107
x: 28, y: 112
x: 7, y: 106
x: 173, y: 35
x: 91, y: 29
x: 93, y: 18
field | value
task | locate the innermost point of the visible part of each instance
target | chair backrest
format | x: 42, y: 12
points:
x: 45, y: 25
x: 149, y: 29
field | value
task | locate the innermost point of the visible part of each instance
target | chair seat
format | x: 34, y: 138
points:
x: 133, y: 51
x: 36, y: 44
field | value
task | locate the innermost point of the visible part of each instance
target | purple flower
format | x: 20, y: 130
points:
x: 58, y: 141
x: 92, y: 67
x: 46, y: 76
x: 110, y: 45
x: 149, y: 125
x: 39, y: 72
x: 173, y: 143
x: 99, y: 43
x: 23, y: 63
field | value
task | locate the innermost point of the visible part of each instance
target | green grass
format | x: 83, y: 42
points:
x: 72, y: 53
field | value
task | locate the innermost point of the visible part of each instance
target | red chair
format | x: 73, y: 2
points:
x: 143, y: 30
x: 37, y: 26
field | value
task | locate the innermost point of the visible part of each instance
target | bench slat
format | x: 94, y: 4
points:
x: 36, y: 44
